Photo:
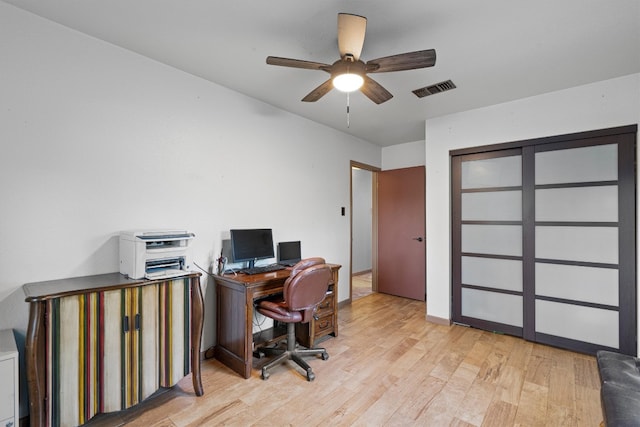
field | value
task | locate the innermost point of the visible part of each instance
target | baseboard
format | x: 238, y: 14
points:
x: 357, y: 273
x: 438, y: 320
x: 343, y: 303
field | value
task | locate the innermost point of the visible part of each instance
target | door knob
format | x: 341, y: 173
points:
x: 419, y: 239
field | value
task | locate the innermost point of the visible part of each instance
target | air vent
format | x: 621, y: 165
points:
x: 433, y: 89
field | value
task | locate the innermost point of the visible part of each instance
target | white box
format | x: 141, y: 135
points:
x: 9, y: 379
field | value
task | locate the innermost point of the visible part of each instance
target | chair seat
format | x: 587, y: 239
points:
x: 279, y: 310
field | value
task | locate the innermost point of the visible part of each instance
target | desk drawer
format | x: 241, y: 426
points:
x: 326, y: 306
x: 324, y: 325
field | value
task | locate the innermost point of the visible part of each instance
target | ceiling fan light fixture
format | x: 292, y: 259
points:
x: 347, y: 74
x: 348, y: 82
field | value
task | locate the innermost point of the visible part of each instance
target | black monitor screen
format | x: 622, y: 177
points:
x: 289, y: 251
x: 251, y: 244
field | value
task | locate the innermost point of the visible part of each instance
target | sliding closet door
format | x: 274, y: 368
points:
x: 543, y: 240
x: 488, y: 241
x: 584, y: 245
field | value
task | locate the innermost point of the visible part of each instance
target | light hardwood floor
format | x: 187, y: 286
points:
x: 389, y: 367
x: 360, y: 285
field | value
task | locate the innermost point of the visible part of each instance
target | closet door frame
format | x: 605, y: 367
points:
x: 625, y: 138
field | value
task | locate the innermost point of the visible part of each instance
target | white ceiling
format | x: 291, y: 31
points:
x: 494, y: 50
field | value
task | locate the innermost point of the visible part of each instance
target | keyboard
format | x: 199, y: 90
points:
x: 263, y: 269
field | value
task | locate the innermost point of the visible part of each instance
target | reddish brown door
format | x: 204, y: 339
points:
x: 401, y: 232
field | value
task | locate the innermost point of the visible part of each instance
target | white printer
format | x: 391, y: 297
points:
x: 155, y: 254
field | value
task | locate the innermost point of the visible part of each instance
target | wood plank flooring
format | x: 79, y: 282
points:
x: 360, y: 285
x: 389, y: 367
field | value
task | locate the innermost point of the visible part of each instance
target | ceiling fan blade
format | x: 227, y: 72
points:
x: 351, y: 30
x: 297, y: 63
x: 319, y: 92
x: 374, y: 91
x: 403, y: 61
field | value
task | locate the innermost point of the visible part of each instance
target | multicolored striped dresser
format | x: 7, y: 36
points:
x: 104, y: 343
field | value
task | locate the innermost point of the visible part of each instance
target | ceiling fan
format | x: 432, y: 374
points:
x: 349, y: 73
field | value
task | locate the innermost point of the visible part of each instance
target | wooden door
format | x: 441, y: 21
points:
x: 174, y: 331
x: 401, y: 232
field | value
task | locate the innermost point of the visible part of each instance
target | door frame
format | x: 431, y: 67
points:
x: 374, y: 224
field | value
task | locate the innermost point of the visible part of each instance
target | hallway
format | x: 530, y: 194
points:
x: 360, y: 285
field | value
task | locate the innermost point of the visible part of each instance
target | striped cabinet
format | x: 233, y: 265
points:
x: 109, y: 348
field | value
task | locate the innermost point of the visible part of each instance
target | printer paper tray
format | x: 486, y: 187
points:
x: 165, y: 274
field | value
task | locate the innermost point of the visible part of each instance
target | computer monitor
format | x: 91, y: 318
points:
x: 289, y: 253
x: 251, y: 245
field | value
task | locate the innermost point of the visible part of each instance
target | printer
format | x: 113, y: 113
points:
x: 155, y: 254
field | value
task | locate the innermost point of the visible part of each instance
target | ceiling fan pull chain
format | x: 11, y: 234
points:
x: 348, y: 121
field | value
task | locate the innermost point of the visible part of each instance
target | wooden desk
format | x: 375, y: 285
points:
x: 235, y: 296
x: 104, y: 343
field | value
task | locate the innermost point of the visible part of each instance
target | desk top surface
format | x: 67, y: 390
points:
x: 256, y: 279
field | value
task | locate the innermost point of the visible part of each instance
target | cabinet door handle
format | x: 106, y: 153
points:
x: 137, y: 322
x: 125, y: 324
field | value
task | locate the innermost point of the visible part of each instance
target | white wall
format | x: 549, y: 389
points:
x: 96, y: 139
x: 405, y: 155
x: 600, y: 105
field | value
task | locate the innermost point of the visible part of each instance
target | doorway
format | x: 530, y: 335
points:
x: 363, y: 231
x: 387, y: 232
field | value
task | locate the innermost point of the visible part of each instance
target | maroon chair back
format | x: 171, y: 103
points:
x: 307, y: 286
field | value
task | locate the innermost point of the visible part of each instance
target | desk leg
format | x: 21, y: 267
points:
x: 197, y: 322
x: 233, y: 327
x: 35, y: 362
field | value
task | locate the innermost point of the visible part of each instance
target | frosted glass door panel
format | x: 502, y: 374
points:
x: 588, y: 324
x: 492, y: 239
x: 578, y: 283
x: 492, y: 273
x: 595, y: 163
x: 492, y: 306
x: 496, y: 172
x: 492, y: 206
x: 587, y: 244
x: 577, y: 204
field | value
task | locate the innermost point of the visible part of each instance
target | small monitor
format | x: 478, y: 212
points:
x: 251, y: 245
x: 289, y: 253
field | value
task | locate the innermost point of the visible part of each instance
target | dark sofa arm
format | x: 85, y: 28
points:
x: 620, y: 390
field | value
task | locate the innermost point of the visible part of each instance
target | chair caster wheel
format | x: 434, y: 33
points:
x: 265, y: 375
x: 310, y: 376
x: 325, y: 356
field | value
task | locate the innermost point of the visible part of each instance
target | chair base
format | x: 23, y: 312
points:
x: 292, y: 352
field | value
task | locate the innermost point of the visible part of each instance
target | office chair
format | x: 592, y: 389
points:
x: 302, y: 292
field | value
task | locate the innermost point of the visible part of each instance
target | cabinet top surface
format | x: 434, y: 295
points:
x: 40, y: 291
